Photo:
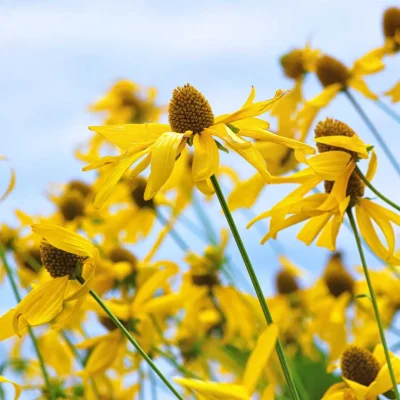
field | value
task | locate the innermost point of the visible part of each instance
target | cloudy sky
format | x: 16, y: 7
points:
x: 58, y: 57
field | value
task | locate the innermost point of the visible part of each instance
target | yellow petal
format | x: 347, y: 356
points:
x: 163, y: 304
x: 127, y: 135
x: 394, y: 92
x: 372, y: 166
x: 254, y: 158
x: 116, y: 174
x: 330, y: 232
x: 359, y: 391
x: 11, y: 182
x: 360, y: 85
x: 313, y: 228
x: 246, y: 193
x: 205, y: 187
x: 18, y: 388
x: 66, y: 240
x: 6, y: 323
x: 259, y: 358
x: 205, y: 158
x: 329, y: 165
x: 226, y: 134
x: 383, y: 381
x: 42, y: 304
x: 353, y: 143
x: 164, y: 155
x: 213, y: 390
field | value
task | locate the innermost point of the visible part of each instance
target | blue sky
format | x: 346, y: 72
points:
x: 57, y: 57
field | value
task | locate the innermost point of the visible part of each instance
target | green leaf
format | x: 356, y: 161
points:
x: 362, y: 296
x: 221, y: 147
x: 369, y: 148
x: 233, y: 128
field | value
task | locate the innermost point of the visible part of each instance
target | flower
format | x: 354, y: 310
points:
x: 366, y: 375
x: 343, y: 190
x: 65, y: 255
x: 192, y: 122
x: 252, y: 374
x: 336, y: 77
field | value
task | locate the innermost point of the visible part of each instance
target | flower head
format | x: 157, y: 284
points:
x: 192, y: 123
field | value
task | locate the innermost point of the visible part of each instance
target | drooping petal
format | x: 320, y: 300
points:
x: 213, y: 390
x: 127, y: 135
x: 394, y: 93
x: 164, y: 155
x: 227, y: 135
x: 42, y: 304
x: 357, y: 83
x: 330, y: 232
x: 6, y: 323
x: 353, y: 143
x: 329, y: 165
x: 313, y: 228
x: 116, y: 174
x: 372, y: 166
x: 205, y: 187
x: 66, y: 240
x: 18, y: 388
x: 259, y: 358
x: 205, y: 158
x: 246, y: 193
x: 383, y: 382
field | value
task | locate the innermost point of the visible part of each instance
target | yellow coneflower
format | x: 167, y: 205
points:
x: 66, y: 256
x: 325, y: 211
x: 366, y: 375
x: 192, y: 122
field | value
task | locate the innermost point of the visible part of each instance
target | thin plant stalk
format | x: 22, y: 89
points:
x: 18, y: 297
x: 374, y: 302
x: 388, y: 110
x: 135, y: 344
x: 376, y: 191
x: 256, y: 285
x: 374, y: 131
x: 174, y: 234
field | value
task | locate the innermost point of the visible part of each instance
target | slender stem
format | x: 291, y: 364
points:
x: 81, y: 361
x: 388, y: 110
x: 207, y: 225
x: 131, y: 339
x: 174, y: 234
x: 374, y: 131
x: 376, y: 191
x: 175, y: 364
x: 374, y: 303
x: 153, y: 385
x: 30, y: 331
x: 256, y: 284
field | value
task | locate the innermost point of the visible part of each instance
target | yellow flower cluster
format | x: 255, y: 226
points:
x: 108, y: 316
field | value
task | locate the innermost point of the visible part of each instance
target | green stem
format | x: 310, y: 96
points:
x: 376, y: 191
x: 135, y: 344
x: 174, y: 234
x: 388, y: 110
x: 81, y: 361
x: 374, y: 131
x: 256, y: 284
x: 207, y: 225
x: 30, y: 331
x: 175, y: 364
x: 374, y: 303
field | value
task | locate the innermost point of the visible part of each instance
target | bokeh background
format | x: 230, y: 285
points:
x: 58, y: 57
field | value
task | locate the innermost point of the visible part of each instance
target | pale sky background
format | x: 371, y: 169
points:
x: 58, y: 57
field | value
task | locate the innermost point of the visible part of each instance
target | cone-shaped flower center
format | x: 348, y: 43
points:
x: 330, y: 70
x: 286, y: 282
x: 137, y: 194
x: 359, y: 365
x: 292, y: 64
x: 333, y: 127
x: 83, y: 188
x: 391, y: 22
x: 189, y: 110
x: 58, y: 262
x: 119, y: 254
x: 71, y: 206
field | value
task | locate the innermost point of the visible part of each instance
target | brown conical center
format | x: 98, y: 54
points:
x: 329, y: 71
x: 119, y: 254
x: 359, y: 365
x: 189, y: 110
x: 293, y: 64
x: 137, y: 194
x: 286, y: 282
x: 391, y: 22
x: 58, y: 262
x: 71, y: 206
x: 83, y: 188
x: 338, y: 281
